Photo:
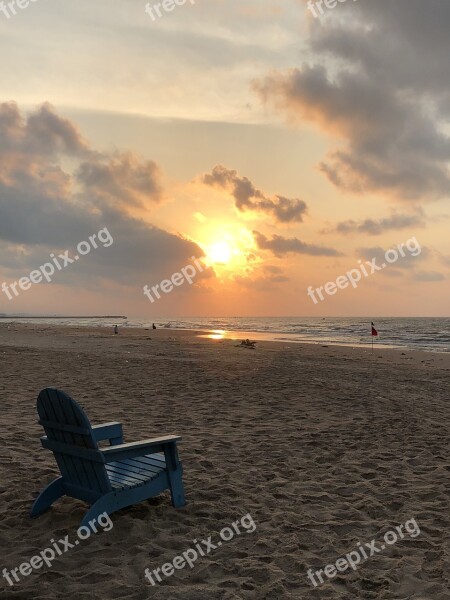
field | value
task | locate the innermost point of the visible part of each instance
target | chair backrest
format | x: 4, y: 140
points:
x: 70, y: 437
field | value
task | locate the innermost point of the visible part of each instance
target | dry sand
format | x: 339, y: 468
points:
x: 324, y: 447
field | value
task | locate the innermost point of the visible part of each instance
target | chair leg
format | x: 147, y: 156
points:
x: 48, y: 495
x: 105, y: 504
x: 176, y: 487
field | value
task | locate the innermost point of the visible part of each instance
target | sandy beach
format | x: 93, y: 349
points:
x: 324, y: 447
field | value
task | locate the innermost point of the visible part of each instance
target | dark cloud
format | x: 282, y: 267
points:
x: 121, y: 179
x: 279, y: 246
x: 45, y: 209
x: 37, y: 217
x: 378, y: 226
x: 383, y: 93
x: 248, y: 198
x: 41, y: 134
x: 49, y: 133
x: 428, y: 276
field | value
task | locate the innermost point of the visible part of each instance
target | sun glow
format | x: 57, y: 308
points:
x: 228, y: 247
x: 219, y: 253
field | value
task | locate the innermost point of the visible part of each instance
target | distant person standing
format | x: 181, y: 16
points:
x: 116, y: 329
x: 154, y: 326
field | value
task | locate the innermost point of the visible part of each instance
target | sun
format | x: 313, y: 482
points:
x: 226, y: 246
x: 219, y: 253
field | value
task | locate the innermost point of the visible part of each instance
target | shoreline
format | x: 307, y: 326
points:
x: 29, y: 334
x: 336, y: 333
x: 231, y: 334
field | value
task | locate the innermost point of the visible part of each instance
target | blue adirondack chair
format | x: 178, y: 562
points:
x: 108, y: 479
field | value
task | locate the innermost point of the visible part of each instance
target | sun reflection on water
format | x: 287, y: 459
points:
x: 217, y: 334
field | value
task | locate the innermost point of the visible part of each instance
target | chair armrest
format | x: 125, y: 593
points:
x: 135, y: 449
x: 109, y: 431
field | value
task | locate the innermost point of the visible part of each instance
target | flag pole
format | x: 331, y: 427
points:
x: 373, y: 332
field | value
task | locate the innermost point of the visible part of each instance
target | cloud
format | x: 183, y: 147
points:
x: 381, y: 94
x: 248, y: 198
x: 444, y: 259
x: 121, y: 179
x: 44, y: 208
x: 395, y: 222
x: 428, y: 276
x: 43, y: 133
x: 279, y: 246
x: 272, y: 269
x: 407, y: 262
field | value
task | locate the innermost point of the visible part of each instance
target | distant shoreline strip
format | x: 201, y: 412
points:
x: 68, y: 317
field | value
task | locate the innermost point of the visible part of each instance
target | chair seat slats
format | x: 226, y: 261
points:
x: 121, y: 471
x: 141, y: 466
x: 128, y: 468
x: 134, y: 472
x: 156, y: 460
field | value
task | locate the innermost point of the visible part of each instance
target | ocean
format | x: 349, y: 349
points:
x: 430, y: 334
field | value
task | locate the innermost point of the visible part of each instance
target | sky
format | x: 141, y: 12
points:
x: 285, y: 149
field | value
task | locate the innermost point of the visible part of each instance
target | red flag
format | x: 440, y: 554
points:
x: 374, y: 331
